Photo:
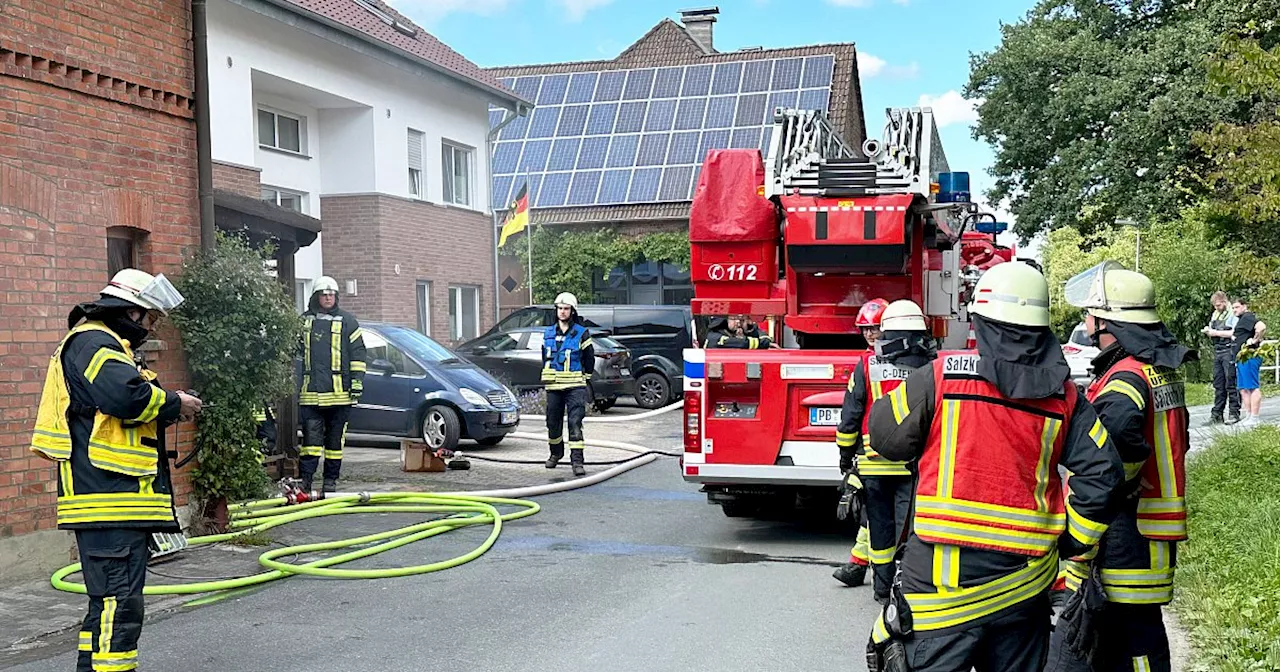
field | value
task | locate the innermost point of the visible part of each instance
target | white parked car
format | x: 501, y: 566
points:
x: 1079, y: 353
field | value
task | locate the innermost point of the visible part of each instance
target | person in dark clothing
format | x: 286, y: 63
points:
x: 990, y: 432
x: 904, y: 346
x: 1247, y: 336
x: 568, y: 360
x: 848, y: 439
x: 1220, y: 333
x: 736, y: 331
x: 333, y: 367
x: 101, y: 420
x: 1140, y: 398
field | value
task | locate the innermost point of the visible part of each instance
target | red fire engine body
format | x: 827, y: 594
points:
x: 800, y: 240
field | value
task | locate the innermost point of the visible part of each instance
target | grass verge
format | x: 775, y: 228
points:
x: 1201, y: 394
x: 1228, y: 578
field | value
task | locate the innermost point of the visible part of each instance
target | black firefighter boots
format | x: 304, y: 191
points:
x: 851, y: 574
x: 554, y: 460
x: 575, y: 457
x: 330, y: 485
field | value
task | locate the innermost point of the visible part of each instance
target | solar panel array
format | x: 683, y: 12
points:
x: 639, y: 136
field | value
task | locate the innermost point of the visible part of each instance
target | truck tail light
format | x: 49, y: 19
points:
x: 693, y: 422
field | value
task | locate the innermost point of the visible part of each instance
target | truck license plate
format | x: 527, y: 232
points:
x: 825, y: 416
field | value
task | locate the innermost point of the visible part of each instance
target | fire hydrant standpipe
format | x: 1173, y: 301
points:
x: 251, y: 517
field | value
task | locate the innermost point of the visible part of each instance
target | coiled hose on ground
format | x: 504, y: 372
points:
x: 459, y: 509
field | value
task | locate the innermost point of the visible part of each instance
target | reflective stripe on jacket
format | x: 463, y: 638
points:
x: 1162, y: 509
x: 333, y: 359
x: 112, y: 471
x: 1007, y: 497
x: 881, y: 378
x: 562, y: 357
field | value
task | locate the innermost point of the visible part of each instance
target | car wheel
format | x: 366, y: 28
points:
x: 652, y: 390
x: 441, y: 427
x: 491, y: 440
x: 603, y: 405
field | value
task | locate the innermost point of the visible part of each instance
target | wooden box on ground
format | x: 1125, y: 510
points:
x: 417, y: 456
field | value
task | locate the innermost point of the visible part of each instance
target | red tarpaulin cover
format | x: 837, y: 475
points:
x: 726, y: 205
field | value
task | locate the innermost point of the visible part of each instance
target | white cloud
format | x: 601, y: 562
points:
x: 870, y: 65
x: 577, y: 9
x: 951, y: 108
x: 430, y: 11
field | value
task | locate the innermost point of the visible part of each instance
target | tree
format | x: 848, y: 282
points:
x: 1244, y: 160
x: 240, y: 333
x: 1092, y: 106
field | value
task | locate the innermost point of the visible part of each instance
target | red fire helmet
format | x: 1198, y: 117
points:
x: 869, y: 315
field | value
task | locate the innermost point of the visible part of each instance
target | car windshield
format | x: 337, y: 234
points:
x: 420, y: 346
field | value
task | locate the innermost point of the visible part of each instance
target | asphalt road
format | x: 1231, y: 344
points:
x: 638, y: 573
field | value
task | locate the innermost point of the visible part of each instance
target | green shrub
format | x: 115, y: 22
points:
x: 1228, y: 578
x: 240, y: 332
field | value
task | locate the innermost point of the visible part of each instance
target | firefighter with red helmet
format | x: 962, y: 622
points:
x: 1139, y: 396
x: 904, y: 345
x: 990, y: 431
x: 854, y: 572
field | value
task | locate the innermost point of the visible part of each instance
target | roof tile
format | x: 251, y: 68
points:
x: 423, y: 45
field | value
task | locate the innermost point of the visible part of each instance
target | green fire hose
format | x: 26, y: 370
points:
x: 251, y: 517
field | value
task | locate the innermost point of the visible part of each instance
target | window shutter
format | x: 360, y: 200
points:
x: 415, y: 149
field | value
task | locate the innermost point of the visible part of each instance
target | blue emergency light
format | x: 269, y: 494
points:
x: 953, y: 187
x: 991, y: 227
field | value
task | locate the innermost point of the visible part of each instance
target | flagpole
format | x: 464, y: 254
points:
x: 528, y: 234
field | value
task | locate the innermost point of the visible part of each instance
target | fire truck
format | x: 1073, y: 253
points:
x: 800, y: 239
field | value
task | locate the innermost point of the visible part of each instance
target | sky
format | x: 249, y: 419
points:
x: 910, y: 52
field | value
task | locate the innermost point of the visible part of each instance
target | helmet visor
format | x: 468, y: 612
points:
x: 1088, y: 289
x: 161, y: 294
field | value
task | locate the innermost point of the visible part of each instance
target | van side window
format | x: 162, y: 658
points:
x: 525, y: 317
x: 648, y: 321
x: 597, y: 318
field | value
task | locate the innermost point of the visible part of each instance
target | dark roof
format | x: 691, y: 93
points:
x: 349, y: 16
x: 667, y: 44
x: 265, y: 218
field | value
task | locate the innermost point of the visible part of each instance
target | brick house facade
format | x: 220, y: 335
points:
x: 97, y: 152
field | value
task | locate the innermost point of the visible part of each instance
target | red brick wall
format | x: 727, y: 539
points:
x: 95, y: 131
x: 365, y: 237
x: 237, y: 180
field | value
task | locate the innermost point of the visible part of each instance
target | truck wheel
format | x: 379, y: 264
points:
x: 739, y: 508
x: 441, y: 427
x: 652, y: 390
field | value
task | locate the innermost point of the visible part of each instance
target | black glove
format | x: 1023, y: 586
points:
x: 888, y: 657
x: 850, y: 496
x: 1078, y: 619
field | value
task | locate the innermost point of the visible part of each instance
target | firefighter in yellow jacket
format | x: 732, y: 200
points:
x: 990, y: 432
x: 102, y: 419
x: 333, y: 367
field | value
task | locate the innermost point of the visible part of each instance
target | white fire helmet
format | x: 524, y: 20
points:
x: 903, y: 315
x: 325, y: 284
x: 150, y: 292
x: 1012, y: 293
x: 566, y: 299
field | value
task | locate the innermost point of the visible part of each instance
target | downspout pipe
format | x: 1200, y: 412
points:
x: 204, y: 159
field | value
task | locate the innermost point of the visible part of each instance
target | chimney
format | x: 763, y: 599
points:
x: 701, y: 23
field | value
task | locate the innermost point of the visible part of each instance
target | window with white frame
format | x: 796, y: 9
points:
x: 464, y: 312
x: 283, y: 198
x: 281, y: 130
x: 457, y: 173
x: 424, y: 306
x: 415, y: 164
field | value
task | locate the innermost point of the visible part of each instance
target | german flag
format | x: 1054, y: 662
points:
x: 518, y: 219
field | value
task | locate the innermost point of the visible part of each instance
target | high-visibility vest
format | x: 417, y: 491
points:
x: 562, y: 358
x: 988, y: 474
x: 115, y: 484
x: 1162, y: 508
x: 882, y: 377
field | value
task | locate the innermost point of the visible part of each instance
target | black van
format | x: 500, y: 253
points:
x: 655, y: 335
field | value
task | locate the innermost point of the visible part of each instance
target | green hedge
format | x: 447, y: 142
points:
x: 1228, y: 579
